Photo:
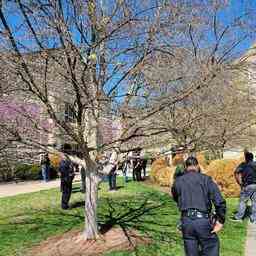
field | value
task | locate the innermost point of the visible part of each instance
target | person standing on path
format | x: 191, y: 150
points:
x: 113, y: 162
x: 125, y: 167
x: 67, y: 175
x: 137, y: 169
x: 137, y: 165
x: 245, y: 175
x: 194, y: 193
x: 45, y: 167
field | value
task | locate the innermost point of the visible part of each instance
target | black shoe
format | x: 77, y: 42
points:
x: 252, y: 221
x: 65, y: 207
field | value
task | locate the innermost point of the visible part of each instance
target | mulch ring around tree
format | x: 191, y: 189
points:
x: 73, y: 244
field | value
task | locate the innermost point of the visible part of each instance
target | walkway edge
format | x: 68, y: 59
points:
x: 250, y: 245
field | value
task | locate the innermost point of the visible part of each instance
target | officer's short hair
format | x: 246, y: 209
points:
x: 248, y: 156
x: 191, y: 161
x: 66, y: 148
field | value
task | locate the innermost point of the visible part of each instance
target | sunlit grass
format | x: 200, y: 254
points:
x: 30, y: 218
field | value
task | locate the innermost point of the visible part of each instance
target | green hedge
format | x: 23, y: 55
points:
x: 27, y: 172
x: 32, y: 172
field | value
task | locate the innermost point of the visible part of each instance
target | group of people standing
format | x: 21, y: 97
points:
x: 194, y: 192
x: 133, y: 162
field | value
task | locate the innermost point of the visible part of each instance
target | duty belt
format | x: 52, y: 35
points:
x: 194, y: 213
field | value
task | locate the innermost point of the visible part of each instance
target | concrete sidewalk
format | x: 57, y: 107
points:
x: 12, y: 189
x: 250, y: 246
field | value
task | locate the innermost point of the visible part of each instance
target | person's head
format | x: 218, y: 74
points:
x: 248, y: 157
x: 66, y: 149
x: 191, y: 164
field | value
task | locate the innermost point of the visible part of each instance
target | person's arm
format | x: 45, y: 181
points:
x: 174, y: 192
x: 219, y: 204
x: 60, y: 168
x: 238, y: 178
x: 238, y: 174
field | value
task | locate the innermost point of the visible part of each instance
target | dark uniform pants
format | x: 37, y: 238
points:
x: 198, y: 239
x: 137, y: 174
x: 66, y: 188
x: 112, y: 179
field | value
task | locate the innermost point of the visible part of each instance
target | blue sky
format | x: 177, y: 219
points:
x: 237, y: 8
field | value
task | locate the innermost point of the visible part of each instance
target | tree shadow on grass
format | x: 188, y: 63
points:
x: 152, y: 215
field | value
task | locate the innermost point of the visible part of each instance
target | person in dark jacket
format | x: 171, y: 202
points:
x: 45, y: 167
x: 195, y: 193
x: 245, y: 175
x: 67, y: 175
x: 144, y: 167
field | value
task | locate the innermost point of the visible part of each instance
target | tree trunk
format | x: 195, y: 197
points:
x: 91, y: 199
x: 82, y: 173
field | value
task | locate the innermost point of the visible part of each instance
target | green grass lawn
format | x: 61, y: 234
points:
x: 28, y: 219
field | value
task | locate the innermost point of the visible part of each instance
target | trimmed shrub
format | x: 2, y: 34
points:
x: 161, y: 173
x: 156, y: 166
x: 55, y: 160
x: 165, y: 176
x: 202, y: 160
x: 178, y: 159
x: 27, y: 172
x: 222, y: 171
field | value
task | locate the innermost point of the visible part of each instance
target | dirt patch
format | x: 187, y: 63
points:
x: 73, y: 244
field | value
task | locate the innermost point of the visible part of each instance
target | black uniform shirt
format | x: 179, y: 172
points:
x: 66, y: 168
x: 195, y: 190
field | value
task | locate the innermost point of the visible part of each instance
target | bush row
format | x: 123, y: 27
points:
x: 221, y: 170
x: 32, y: 172
x: 26, y: 172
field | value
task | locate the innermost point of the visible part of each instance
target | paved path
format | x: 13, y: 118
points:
x: 250, y: 247
x: 12, y: 189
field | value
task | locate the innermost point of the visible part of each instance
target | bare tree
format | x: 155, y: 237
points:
x: 124, y: 61
x: 202, y: 75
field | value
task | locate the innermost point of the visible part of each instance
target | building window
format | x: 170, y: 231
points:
x: 69, y: 114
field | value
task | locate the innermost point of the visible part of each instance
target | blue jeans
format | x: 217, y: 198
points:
x: 198, y: 239
x: 45, y: 172
x: 112, y: 181
x: 247, y: 193
x: 125, y: 170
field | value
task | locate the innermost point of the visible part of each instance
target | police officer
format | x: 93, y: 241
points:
x: 67, y: 174
x: 194, y: 193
